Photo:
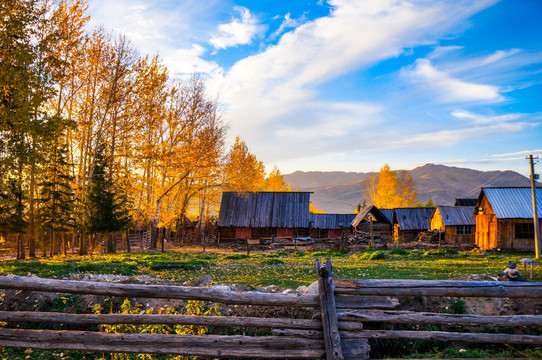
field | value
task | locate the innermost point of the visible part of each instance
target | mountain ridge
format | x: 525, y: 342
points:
x: 340, y: 192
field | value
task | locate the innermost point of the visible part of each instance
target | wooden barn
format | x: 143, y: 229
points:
x: 256, y: 215
x: 409, y: 222
x: 371, y: 220
x: 329, y: 225
x: 457, y: 222
x: 504, y: 218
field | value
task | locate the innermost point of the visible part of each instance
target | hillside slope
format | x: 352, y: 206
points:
x: 340, y: 192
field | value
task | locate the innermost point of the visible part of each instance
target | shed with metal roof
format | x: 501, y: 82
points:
x: 457, y: 223
x: 371, y: 223
x: 263, y: 214
x: 409, y: 222
x: 504, y: 218
x: 329, y: 225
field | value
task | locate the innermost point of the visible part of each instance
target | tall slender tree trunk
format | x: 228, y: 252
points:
x: 32, y: 235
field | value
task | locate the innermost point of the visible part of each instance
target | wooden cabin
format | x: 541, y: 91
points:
x: 504, y: 218
x: 256, y: 215
x: 329, y: 225
x: 457, y: 222
x: 409, y: 222
x: 371, y: 220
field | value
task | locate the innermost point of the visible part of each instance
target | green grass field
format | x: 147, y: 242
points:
x: 282, y: 269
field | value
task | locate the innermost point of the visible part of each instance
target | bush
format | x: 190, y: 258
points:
x: 272, y: 261
x: 457, y: 307
x: 399, y: 251
x: 372, y: 255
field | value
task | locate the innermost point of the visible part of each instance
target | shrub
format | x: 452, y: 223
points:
x: 272, y: 261
x: 399, y: 251
x: 237, y: 256
x: 457, y: 307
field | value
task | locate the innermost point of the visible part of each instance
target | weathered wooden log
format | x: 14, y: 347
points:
x: 156, y: 291
x: 309, y: 334
x: 365, y: 302
x: 439, y: 288
x: 355, y: 349
x: 445, y: 336
x: 210, y: 345
x: 96, y: 319
x: 112, y: 319
x: 438, y: 319
x: 330, y: 327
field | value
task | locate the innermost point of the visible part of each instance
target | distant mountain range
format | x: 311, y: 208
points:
x: 340, y: 192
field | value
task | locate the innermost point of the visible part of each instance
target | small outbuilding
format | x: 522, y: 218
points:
x: 457, y: 223
x: 504, y: 218
x: 329, y: 225
x: 371, y: 220
x: 409, y: 222
x: 256, y: 215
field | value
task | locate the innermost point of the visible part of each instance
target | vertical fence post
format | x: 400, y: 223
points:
x: 332, y: 338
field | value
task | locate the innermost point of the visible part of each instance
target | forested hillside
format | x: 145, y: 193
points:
x: 340, y: 192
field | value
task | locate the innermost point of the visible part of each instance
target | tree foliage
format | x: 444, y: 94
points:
x: 391, y: 189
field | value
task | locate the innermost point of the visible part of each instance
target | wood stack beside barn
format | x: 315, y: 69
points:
x: 409, y: 222
x: 504, y: 218
x: 330, y: 225
x: 456, y: 222
x: 257, y: 215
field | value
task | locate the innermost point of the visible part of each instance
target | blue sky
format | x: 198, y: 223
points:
x: 353, y: 84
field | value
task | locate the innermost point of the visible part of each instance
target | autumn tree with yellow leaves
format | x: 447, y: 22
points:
x: 391, y: 189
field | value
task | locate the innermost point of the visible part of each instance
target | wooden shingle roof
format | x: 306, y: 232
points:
x: 264, y: 209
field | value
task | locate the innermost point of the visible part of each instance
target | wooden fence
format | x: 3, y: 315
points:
x: 337, y: 332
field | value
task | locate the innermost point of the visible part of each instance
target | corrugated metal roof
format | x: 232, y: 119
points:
x: 388, y: 213
x: 331, y: 221
x: 264, y: 209
x: 465, y: 202
x: 456, y: 215
x: 413, y: 218
x: 512, y: 202
x: 373, y: 210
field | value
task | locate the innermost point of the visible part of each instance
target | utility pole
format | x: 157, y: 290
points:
x: 534, y: 177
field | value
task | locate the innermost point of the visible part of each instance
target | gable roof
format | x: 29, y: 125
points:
x: 388, y: 213
x: 373, y: 210
x: 331, y: 221
x: 456, y: 215
x: 465, y: 202
x: 512, y: 202
x: 264, y: 209
x: 418, y: 218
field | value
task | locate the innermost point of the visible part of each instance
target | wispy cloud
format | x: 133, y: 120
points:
x: 519, y: 153
x: 287, y: 23
x: 450, y: 88
x: 482, y: 119
x: 240, y: 31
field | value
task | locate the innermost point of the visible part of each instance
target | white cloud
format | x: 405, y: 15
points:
x: 450, y: 88
x: 287, y: 23
x: 440, y: 51
x: 519, y: 153
x: 239, y: 31
x: 186, y: 61
x: 481, y: 119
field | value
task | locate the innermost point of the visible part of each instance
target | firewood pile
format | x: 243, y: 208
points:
x: 430, y: 236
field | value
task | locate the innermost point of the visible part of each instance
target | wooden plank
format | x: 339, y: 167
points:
x: 156, y: 291
x: 330, y: 328
x: 96, y: 319
x: 264, y: 347
x: 355, y: 349
x: 439, y: 319
x: 365, y: 302
x: 439, y: 288
x: 445, y: 336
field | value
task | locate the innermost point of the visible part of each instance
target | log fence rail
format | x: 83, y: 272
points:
x: 341, y: 308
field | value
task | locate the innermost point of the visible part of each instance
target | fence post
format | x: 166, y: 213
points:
x: 332, y: 338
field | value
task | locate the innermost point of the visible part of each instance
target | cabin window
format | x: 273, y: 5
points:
x: 464, y: 230
x: 525, y: 231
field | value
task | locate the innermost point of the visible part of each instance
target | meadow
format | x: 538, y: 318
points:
x: 283, y: 269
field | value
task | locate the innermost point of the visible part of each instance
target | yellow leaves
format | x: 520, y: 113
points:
x: 391, y: 189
